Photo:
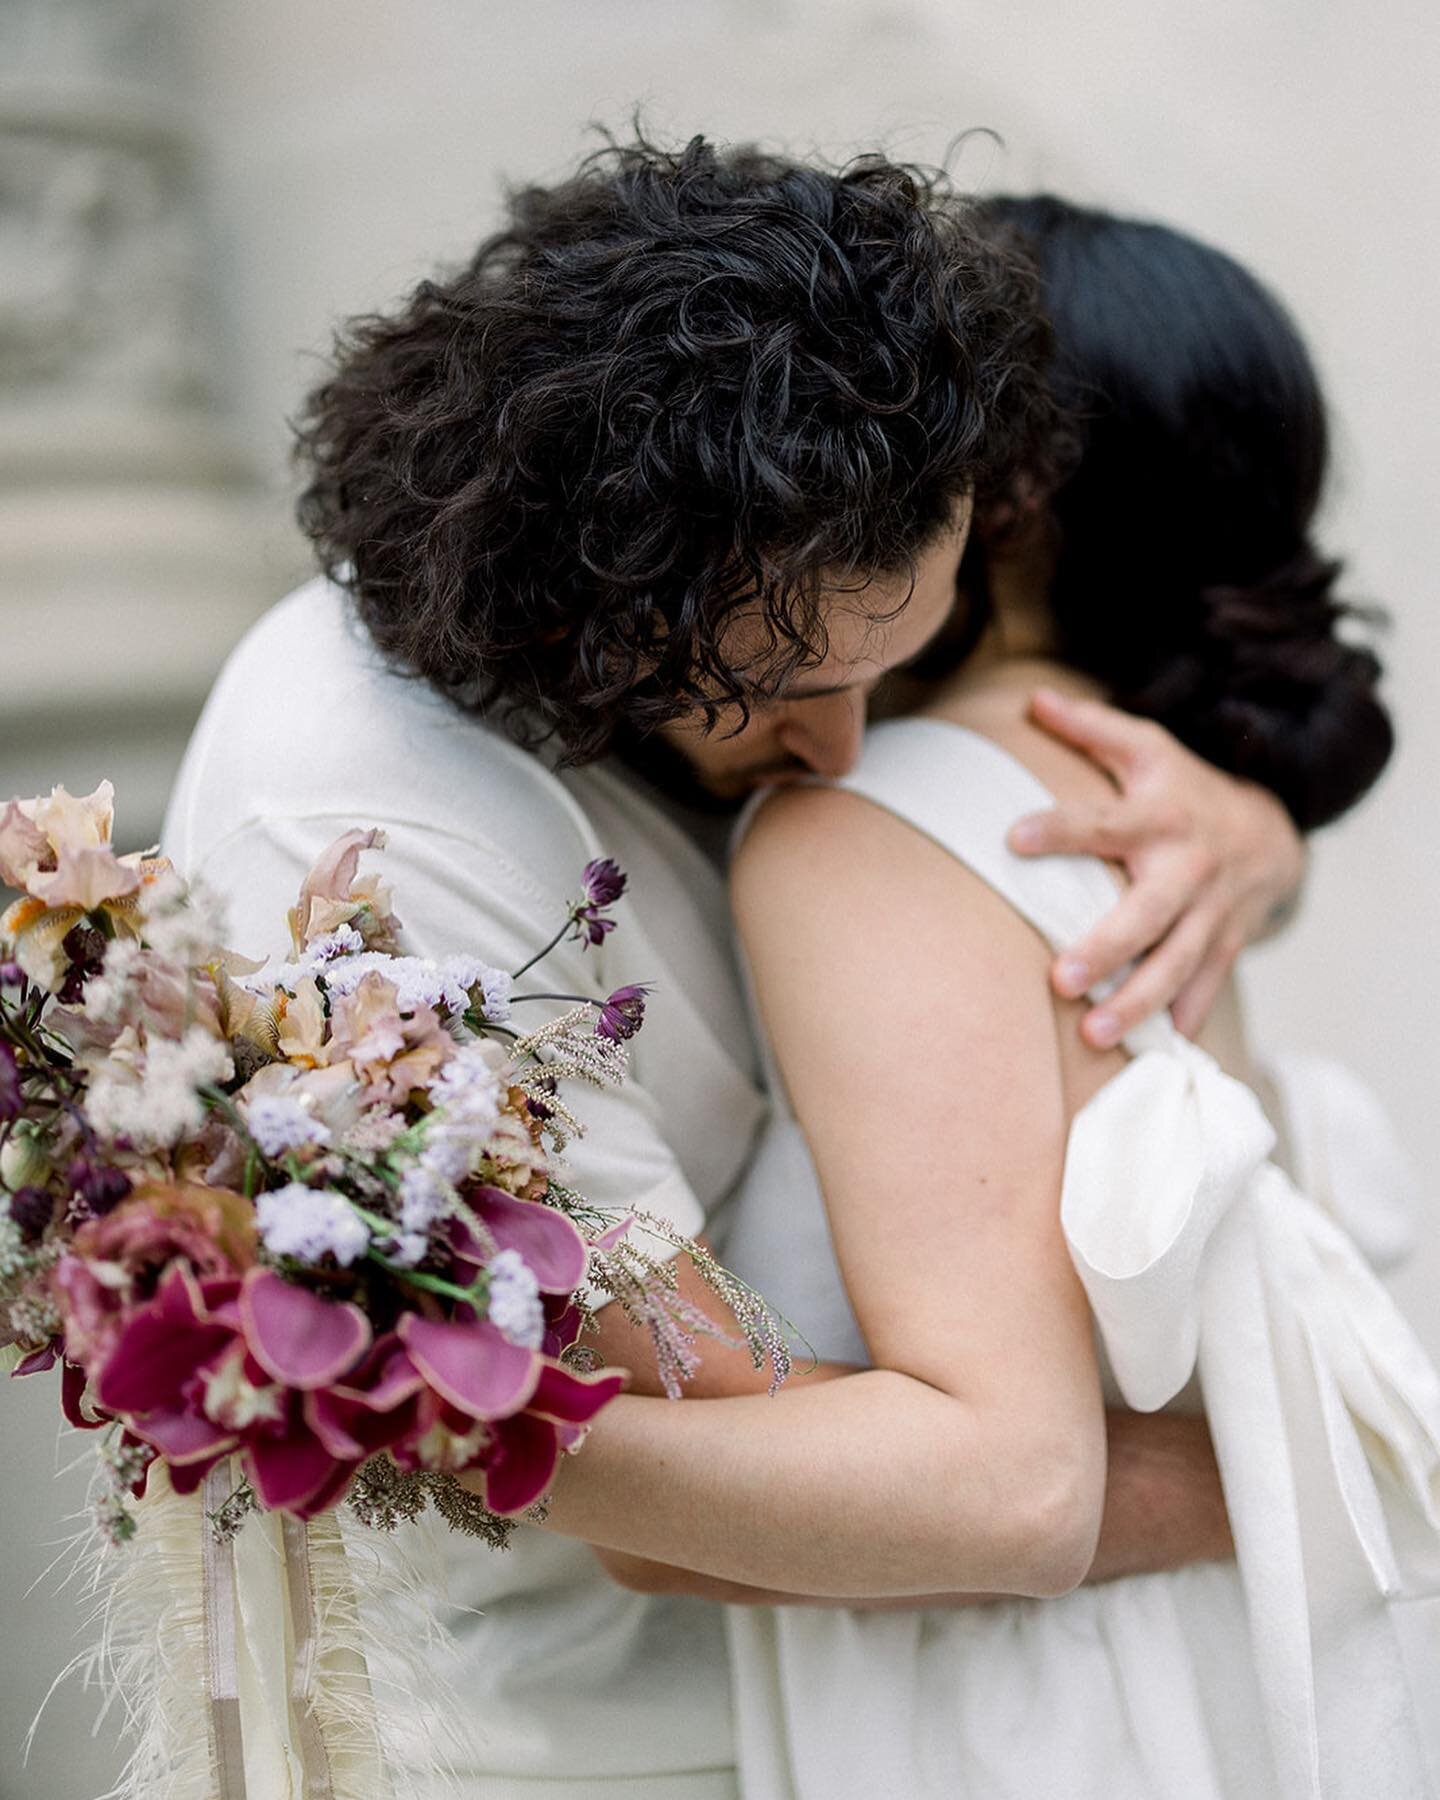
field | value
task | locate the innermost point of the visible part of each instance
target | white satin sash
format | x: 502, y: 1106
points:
x: 1197, y: 1252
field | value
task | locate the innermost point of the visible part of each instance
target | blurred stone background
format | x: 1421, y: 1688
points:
x: 192, y: 194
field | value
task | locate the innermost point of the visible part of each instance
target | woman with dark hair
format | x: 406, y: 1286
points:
x: 1057, y: 1224
x: 693, y: 439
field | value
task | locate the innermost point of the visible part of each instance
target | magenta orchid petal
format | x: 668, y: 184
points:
x: 38, y: 1360
x: 287, y: 1471
x: 607, y: 1240
x: 574, y: 1399
x: 295, y: 1336
x: 329, y: 1493
x: 185, y: 1478
x: 326, y: 1416
x: 178, y: 1298
x: 474, y: 1367
x: 385, y: 1379
x: 545, y: 1239
x: 72, y: 1393
x: 182, y: 1437
x: 563, y: 1320
x: 153, y: 1358
x: 520, y: 1464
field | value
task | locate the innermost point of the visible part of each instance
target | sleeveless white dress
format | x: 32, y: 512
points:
x: 1310, y: 1667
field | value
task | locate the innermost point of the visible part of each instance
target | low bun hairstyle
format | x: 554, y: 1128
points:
x: 1187, y: 580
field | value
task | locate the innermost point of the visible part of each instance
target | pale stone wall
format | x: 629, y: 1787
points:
x: 346, y: 145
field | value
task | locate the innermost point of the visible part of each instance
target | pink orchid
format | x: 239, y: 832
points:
x: 491, y: 1406
x: 547, y: 1241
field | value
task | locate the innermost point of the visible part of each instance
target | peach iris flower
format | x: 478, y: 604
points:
x: 58, y: 851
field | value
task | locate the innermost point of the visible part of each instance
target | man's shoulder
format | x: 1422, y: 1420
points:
x: 306, y: 719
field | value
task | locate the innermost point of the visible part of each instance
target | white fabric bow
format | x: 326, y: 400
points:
x: 1198, y: 1253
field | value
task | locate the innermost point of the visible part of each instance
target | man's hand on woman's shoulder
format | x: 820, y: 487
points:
x: 1214, y: 864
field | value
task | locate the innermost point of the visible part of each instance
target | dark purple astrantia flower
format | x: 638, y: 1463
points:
x: 85, y: 948
x: 11, y: 1099
x: 604, y: 884
x: 623, y: 1014
x: 98, y: 1188
x: 32, y: 1209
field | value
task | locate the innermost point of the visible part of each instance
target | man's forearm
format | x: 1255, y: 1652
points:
x: 1164, y: 1509
x: 1164, y: 1505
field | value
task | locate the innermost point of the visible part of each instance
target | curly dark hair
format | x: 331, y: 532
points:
x: 675, y: 385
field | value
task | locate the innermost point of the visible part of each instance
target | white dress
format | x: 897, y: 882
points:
x: 1308, y: 1668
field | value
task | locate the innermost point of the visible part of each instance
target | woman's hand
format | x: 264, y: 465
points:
x: 1214, y: 864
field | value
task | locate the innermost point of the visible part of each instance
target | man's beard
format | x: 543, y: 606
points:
x: 665, y: 768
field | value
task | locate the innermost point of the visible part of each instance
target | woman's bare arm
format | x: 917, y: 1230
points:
x: 1164, y: 1508
x: 975, y: 1458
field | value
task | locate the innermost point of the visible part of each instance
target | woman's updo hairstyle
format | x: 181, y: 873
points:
x: 1187, y: 580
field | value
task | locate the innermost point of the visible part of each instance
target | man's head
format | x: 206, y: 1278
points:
x: 697, y: 435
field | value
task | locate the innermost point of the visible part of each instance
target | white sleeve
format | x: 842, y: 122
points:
x: 457, y: 893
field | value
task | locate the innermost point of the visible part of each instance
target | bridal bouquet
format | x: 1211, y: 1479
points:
x: 311, y: 1216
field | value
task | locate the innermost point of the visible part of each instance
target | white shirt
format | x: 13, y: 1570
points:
x: 305, y: 735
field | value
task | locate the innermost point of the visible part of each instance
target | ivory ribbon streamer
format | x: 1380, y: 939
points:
x: 314, y: 1759
x: 260, y: 1725
x: 223, y: 1681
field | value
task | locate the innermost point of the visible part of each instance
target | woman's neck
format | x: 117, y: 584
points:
x: 1018, y: 647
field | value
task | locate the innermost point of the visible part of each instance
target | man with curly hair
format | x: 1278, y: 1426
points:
x: 618, y: 522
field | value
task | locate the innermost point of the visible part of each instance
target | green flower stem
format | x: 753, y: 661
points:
x: 433, y: 1284
x: 375, y: 1221
x: 221, y: 1102
x: 572, y: 999
x: 540, y: 955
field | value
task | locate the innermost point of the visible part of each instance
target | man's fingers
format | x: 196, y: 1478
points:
x: 1077, y: 830
x: 1114, y: 739
x: 1138, y: 921
x: 1153, y: 986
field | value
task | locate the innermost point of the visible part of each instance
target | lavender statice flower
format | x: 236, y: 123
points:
x: 495, y: 986
x: 408, y: 1249
x: 466, y: 1098
x: 307, y: 1223
x: 623, y: 1014
x: 515, y: 1306
x: 424, y: 1198
x: 443, y: 983
x: 604, y: 884
x: 344, y: 940
x: 279, y: 1124
x: 11, y: 974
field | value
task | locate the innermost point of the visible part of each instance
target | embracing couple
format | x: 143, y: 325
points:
x: 1115, y: 1472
